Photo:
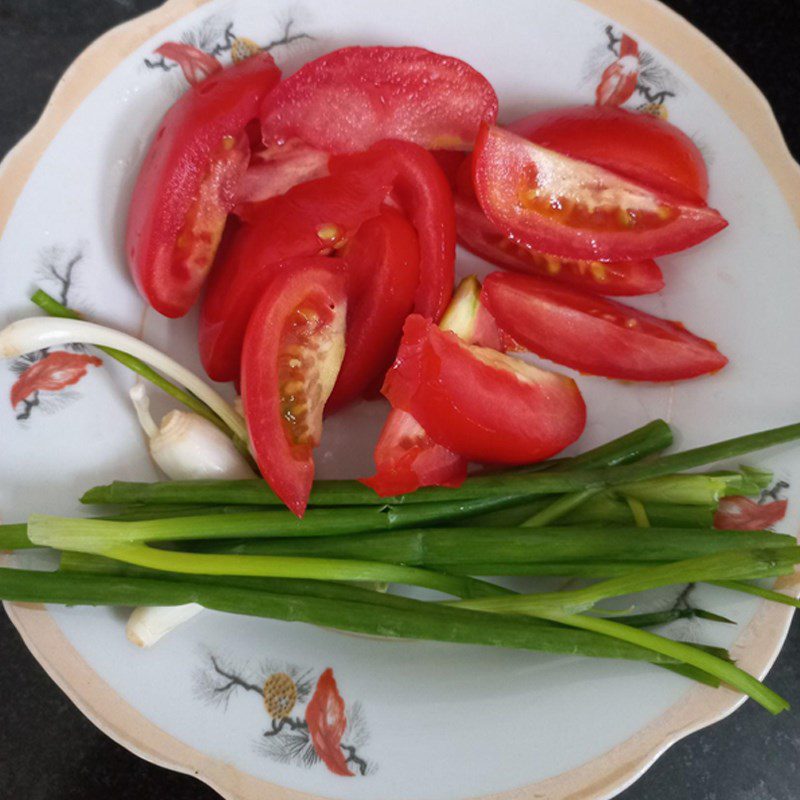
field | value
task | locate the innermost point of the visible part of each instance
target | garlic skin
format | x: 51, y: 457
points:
x: 148, y: 624
x: 188, y: 447
x: 185, y: 446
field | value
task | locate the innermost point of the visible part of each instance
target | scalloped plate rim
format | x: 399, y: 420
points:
x: 757, y: 647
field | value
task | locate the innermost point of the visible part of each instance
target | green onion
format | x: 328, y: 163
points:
x: 639, y: 512
x: 655, y: 618
x: 108, y: 539
x: 410, y: 619
x: 759, y: 591
x: 15, y: 537
x: 693, y: 656
x: 558, y: 508
x: 268, y: 523
x: 695, y: 489
x: 626, y: 449
x: 602, y: 509
x: 431, y: 547
x: 733, y: 565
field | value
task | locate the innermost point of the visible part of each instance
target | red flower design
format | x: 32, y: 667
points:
x: 195, y: 64
x: 619, y: 79
x: 326, y: 720
x: 52, y: 373
x: 744, y: 514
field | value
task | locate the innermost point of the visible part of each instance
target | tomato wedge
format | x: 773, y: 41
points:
x: 573, y: 209
x: 187, y: 183
x: 382, y: 266
x: 595, y: 335
x: 423, y: 192
x: 479, y: 403
x: 629, y: 143
x: 311, y: 219
x: 405, y: 456
x: 481, y: 237
x: 292, y: 353
x: 351, y: 98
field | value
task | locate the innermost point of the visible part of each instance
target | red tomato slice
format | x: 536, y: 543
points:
x: 595, y: 335
x: 481, y: 237
x: 407, y: 458
x: 573, y: 209
x: 625, y: 278
x: 187, y: 183
x: 292, y: 353
x: 479, y: 403
x: 351, y: 98
x: 274, y: 171
x: 311, y: 219
x: 632, y: 144
x: 382, y: 267
x: 743, y: 514
x: 423, y: 193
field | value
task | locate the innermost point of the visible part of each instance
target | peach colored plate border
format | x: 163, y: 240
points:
x: 601, y: 778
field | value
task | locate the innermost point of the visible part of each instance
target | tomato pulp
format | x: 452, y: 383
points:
x: 576, y: 210
x: 629, y: 143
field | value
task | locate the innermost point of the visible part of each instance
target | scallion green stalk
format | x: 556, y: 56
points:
x: 726, y: 672
x: 471, y: 547
x: 404, y: 618
x: 733, y: 565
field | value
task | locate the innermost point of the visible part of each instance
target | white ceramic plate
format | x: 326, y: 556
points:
x: 424, y: 720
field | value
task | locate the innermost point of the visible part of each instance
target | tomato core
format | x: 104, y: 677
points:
x: 311, y: 352
x: 595, y: 208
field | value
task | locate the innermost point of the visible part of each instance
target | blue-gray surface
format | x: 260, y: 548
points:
x: 48, y: 751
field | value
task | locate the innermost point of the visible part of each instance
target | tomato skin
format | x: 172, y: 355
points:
x: 275, y: 232
x: 381, y: 262
x: 287, y: 465
x: 351, y: 98
x: 570, y: 214
x: 512, y: 413
x: 595, y: 335
x: 170, y: 178
x: 422, y: 190
x: 629, y: 143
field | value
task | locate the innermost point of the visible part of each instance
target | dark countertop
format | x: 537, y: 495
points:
x: 49, y: 751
